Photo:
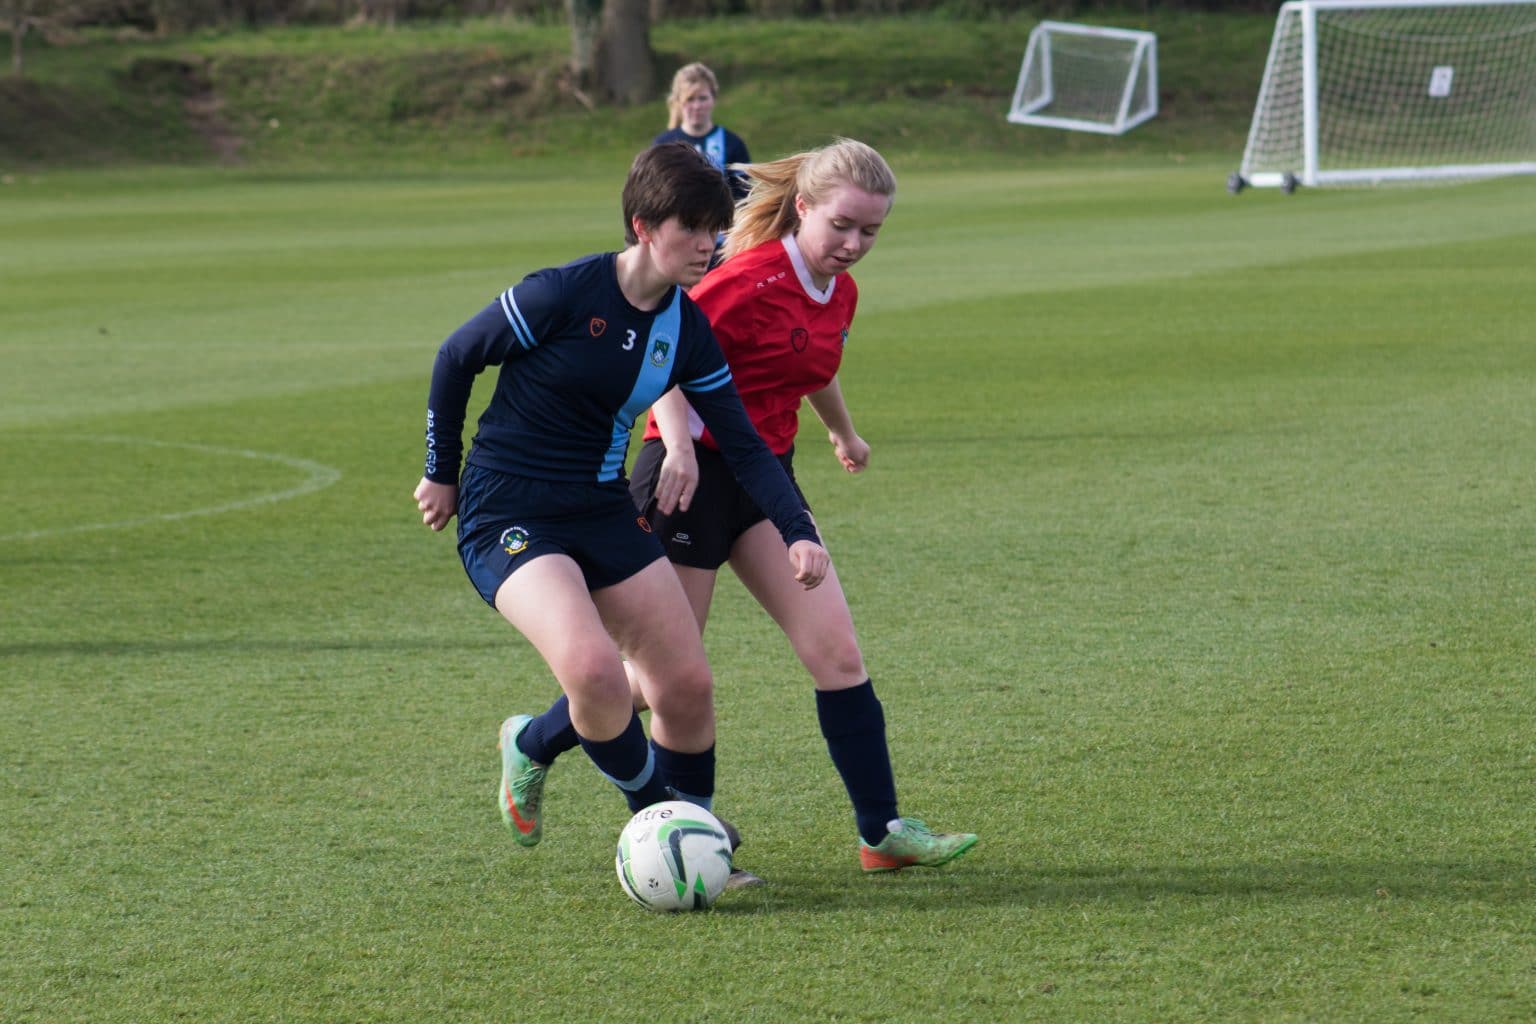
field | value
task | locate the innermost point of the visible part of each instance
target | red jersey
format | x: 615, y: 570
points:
x: 782, y: 338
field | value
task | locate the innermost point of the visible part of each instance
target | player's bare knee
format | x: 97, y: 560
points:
x: 594, y: 675
x: 685, y: 694
x: 836, y: 657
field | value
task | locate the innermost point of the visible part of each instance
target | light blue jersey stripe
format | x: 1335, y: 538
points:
x: 709, y: 382
x: 714, y: 148
x: 650, y: 382
x: 515, y: 318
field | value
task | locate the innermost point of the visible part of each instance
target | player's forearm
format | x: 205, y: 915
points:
x: 671, y: 412
x: 829, y: 406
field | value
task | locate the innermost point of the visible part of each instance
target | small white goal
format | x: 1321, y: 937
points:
x: 1367, y: 92
x: 1086, y: 78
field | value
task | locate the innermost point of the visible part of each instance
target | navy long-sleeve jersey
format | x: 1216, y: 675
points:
x: 578, y: 364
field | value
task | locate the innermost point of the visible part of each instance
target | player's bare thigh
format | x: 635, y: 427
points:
x: 649, y: 617
x: 817, y: 622
x: 546, y: 599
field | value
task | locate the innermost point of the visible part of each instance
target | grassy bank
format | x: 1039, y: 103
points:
x: 929, y: 89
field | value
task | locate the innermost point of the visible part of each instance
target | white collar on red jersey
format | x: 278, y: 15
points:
x: 797, y: 260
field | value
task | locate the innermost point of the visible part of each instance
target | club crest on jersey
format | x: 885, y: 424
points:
x: 514, y: 540
x: 661, y: 348
x: 643, y: 523
x: 597, y: 326
x: 799, y: 338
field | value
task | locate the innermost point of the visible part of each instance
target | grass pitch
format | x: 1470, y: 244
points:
x: 1193, y: 567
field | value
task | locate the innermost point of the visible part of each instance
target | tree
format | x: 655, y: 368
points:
x: 172, y: 16
x: 611, y: 55
x: 381, y: 12
x: 17, y: 24
x: 585, y: 17
x: 626, y: 66
x: 23, y: 16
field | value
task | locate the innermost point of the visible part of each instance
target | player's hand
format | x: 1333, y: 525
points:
x: 852, y: 451
x: 810, y: 562
x: 437, y: 502
x: 678, y: 480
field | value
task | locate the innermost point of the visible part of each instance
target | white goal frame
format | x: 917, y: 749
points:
x: 1306, y: 163
x: 1036, y: 89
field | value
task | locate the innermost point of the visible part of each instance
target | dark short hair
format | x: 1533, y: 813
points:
x: 675, y: 180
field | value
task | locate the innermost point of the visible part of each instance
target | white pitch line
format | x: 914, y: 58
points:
x: 320, y: 477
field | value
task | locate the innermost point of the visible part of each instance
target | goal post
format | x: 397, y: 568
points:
x: 1086, y: 78
x: 1364, y: 92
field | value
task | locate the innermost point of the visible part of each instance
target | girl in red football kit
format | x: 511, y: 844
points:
x: 781, y: 304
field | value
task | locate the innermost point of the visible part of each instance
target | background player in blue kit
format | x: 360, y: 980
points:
x: 691, y: 119
x: 548, y: 533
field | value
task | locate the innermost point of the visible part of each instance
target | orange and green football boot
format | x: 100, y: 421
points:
x: 912, y: 845
x: 522, y: 786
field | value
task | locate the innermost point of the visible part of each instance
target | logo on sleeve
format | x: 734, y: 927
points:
x: 514, y: 540
x: 661, y: 350
x: 597, y: 326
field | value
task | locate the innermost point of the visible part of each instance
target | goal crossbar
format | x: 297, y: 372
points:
x: 1380, y: 91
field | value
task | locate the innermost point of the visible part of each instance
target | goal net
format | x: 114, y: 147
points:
x: 1086, y: 78
x: 1375, y: 91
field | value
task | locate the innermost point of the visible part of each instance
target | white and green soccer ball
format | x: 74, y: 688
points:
x: 673, y: 856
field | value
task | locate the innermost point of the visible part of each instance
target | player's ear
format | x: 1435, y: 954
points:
x: 641, y: 229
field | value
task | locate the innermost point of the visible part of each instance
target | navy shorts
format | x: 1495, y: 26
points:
x: 721, y: 510
x: 506, y: 520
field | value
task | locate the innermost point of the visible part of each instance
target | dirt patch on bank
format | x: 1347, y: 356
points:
x: 189, y: 80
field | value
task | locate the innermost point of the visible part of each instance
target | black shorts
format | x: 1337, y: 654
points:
x: 507, y: 520
x: 721, y: 511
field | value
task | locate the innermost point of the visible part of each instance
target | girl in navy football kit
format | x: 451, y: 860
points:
x: 781, y: 305
x: 548, y: 533
x: 691, y: 119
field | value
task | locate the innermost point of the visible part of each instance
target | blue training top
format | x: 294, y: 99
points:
x: 579, y: 364
x: 722, y: 148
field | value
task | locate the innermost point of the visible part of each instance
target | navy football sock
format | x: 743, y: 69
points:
x: 550, y: 734
x: 627, y: 762
x: 853, y: 723
x: 690, y: 776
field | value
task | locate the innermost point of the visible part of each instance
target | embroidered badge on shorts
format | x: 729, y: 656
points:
x: 514, y: 540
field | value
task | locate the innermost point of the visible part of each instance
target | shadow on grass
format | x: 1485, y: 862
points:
x: 980, y: 885
x: 257, y: 646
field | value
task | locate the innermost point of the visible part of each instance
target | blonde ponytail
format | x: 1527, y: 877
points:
x: 768, y: 211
